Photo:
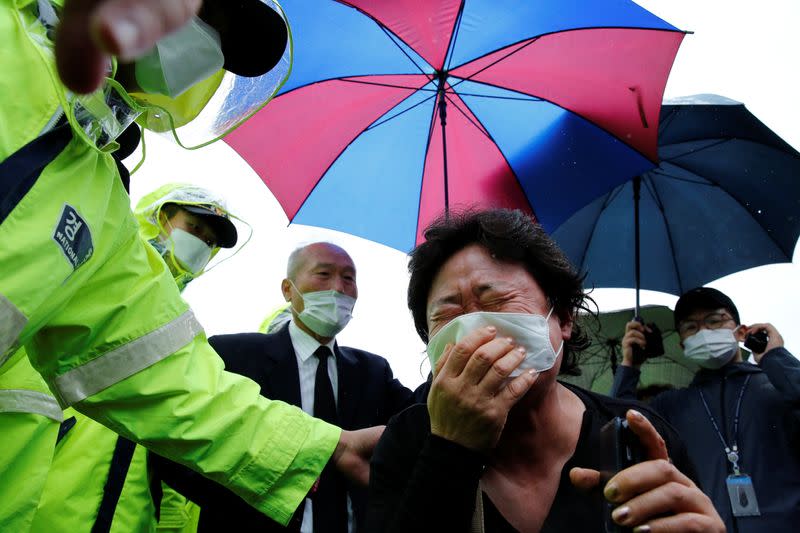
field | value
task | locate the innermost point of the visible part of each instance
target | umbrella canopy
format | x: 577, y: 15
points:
x: 395, y: 111
x: 725, y: 197
x: 599, y: 361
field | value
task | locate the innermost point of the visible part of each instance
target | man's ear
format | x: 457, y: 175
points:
x: 741, y: 332
x: 286, y: 289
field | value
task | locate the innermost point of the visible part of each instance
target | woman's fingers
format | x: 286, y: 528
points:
x: 671, y: 498
x: 653, y: 443
x: 516, y: 389
x: 462, y: 351
x: 490, y: 360
x: 641, y: 478
x: 684, y: 523
x: 584, y: 478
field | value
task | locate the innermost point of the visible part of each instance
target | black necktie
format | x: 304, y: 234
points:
x: 324, y: 399
x: 329, y: 503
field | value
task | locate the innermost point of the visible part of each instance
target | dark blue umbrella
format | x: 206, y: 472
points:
x: 725, y: 197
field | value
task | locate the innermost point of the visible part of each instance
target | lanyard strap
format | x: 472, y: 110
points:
x: 732, y: 453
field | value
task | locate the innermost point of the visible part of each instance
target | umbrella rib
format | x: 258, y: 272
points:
x: 350, y: 78
x: 424, y: 162
x: 333, y: 162
x: 489, y: 136
x: 610, y: 196
x: 379, y: 84
x: 567, y: 30
x: 665, y: 122
x: 712, y: 145
x: 658, y: 171
x: 529, y: 98
x: 714, y: 183
x: 660, y: 205
x: 384, y: 28
x: 480, y: 128
x: 382, y: 122
x: 493, y: 63
x: 448, y: 57
x: 391, y: 38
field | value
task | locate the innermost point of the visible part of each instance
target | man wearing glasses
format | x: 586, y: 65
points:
x: 740, y: 420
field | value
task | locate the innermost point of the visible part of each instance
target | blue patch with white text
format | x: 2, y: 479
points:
x: 73, y: 236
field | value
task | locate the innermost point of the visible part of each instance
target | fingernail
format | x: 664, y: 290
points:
x: 611, y: 492
x: 521, y: 350
x: 641, y: 529
x: 491, y: 329
x: 636, y: 414
x: 620, y: 514
x: 509, y: 340
x: 126, y: 35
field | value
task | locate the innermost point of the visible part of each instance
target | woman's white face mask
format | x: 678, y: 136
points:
x: 531, y: 332
x: 711, y: 348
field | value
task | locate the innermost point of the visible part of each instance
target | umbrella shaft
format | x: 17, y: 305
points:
x: 637, y: 184
x: 443, y: 120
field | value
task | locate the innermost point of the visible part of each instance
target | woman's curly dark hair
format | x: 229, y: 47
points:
x: 511, y: 236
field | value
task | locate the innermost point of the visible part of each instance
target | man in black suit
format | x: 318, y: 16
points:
x: 354, y: 389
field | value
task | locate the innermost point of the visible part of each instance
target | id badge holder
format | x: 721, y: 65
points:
x: 742, y: 495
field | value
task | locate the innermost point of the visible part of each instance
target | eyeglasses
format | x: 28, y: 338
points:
x: 687, y: 328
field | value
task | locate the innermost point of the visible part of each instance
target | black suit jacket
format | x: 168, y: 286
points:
x: 368, y: 396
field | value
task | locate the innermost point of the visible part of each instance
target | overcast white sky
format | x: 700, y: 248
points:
x: 741, y: 49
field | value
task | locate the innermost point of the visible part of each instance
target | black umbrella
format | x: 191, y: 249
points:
x: 725, y: 197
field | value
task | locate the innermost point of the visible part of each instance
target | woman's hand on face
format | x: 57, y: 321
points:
x: 471, y: 393
x: 653, y: 496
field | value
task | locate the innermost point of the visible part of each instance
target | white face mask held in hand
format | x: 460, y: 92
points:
x: 181, y: 59
x: 528, y: 331
x: 326, y: 313
x: 711, y: 348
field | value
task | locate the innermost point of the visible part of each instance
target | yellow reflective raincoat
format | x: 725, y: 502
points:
x: 100, y: 315
x: 29, y: 420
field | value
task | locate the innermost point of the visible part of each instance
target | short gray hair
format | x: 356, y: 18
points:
x: 297, y: 257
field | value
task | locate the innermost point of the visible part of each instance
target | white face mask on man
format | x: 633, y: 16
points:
x: 711, y: 348
x: 531, y: 332
x: 191, y: 252
x: 326, y: 313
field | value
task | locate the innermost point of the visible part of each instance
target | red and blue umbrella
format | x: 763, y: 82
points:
x: 396, y: 110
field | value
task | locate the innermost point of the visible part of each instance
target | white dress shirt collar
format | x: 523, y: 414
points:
x: 304, y: 344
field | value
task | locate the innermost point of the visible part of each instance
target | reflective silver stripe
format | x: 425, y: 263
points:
x: 12, y: 322
x: 116, y: 365
x: 28, y: 401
